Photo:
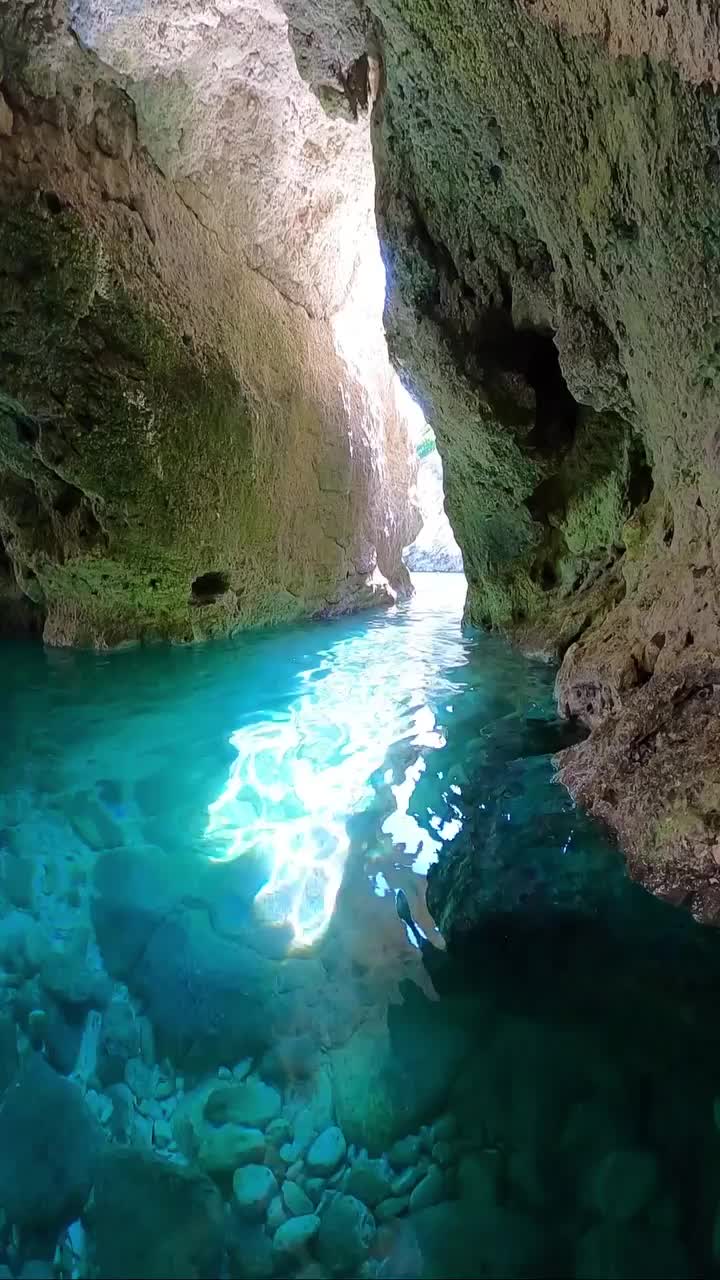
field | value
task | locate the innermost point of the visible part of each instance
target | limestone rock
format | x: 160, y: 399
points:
x: 326, y: 1152
x: 572, y: 383
x: 295, y: 1235
x: 224, y: 1149
x: 431, y: 1190
x: 347, y: 1229
x: 250, y: 1250
x: 49, y: 1148
x: 254, y: 1186
x: 151, y: 1219
x: 8, y: 1052
x: 391, y: 1207
x: 159, y: 287
x: 369, y: 1180
x: 295, y: 1199
x: 252, y: 1103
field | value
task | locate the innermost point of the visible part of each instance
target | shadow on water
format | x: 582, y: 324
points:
x: 200, y: 852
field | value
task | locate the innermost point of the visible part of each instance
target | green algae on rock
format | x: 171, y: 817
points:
x: 184, y: 450
x: 548, y: 203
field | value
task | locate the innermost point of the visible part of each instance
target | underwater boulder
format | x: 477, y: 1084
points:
x: 49, y: 1149
x: 152, y: 1220
x: 208, y: 998
x: 347, y: 1229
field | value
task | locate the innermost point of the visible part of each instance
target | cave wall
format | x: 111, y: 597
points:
x: 548, y: 199
x: 187, y: 443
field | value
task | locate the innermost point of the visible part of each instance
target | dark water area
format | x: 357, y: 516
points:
x: 222, y: 1052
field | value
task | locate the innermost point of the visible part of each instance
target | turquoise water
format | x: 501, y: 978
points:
x: 222, y: 1052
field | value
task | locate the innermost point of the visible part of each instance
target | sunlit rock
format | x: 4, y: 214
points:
x: 196, y: 404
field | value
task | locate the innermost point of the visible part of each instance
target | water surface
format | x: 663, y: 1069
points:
x: 204, y: 845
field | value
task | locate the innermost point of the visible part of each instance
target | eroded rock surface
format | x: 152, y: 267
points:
x: 547, y: 201
x: 191, y: 440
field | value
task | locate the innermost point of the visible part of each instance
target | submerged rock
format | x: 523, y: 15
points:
x: 152, y: 1220
x: 296, y: 1201
x: 326, y: 1151
x: 252, y: 1103
x: 224, y: 1149
x: 431, y: 1190
x: 8, y: 1051
x: 622, y: 1184
x: 347, y: 1229
x: 293, y: 1237
x: 250, y: 1250
x: 254, y: 1186
x: 49, y: 1150
x: 369, y: 1180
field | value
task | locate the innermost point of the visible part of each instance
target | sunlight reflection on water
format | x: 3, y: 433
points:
x: 300, y: 774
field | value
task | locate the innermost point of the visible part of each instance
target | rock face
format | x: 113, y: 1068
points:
x: 191, y: 439
x: 547, y: 199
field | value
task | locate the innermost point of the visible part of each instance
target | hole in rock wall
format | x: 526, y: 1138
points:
x: 209, y: 587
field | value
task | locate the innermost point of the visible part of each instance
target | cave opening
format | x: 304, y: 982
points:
x: 435, y: 549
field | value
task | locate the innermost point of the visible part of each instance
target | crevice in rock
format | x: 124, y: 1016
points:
x: 209, y: 587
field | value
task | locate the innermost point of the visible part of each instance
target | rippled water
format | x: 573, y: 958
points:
x: 200, y: 850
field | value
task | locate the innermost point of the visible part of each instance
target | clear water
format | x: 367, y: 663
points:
x: 210, y: 839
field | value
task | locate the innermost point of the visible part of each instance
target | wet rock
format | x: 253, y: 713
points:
x: 224, y: 1149
x: 622, y: 1184
x: 37, y: 1027
x: 119, y: 1041
x: 431, y: 1190
x: 22, y: 943
x: 479, y: 1181
x: 315, y: 1188
x: 278, y: 1132
x: 99, y: 1105
x: 162, y: 1134
x: 120, y: 1123
x: 276, y: 1214
x: 141, y: 1078
x: 294, y: 1236
x: 250, y: 1251
x: 18, y: 876
x: 252, y: 1103
x: 68, y: 977
x: 391, y: 1208
x: 151, y: 1219
x: 442, y: 1153
x: 347, y: 1230
x: 296, y: 1201
x: 8, y: 1051
x: 132, y: 895
x: 326, y: 1152
x: 290, y: 1059
x: 49, y: 1148
x: 147, y: 1041
x: 445, y: 1129
x: 254, y: 1187
x: 405, y: 1152
x: 208, y: 997
x: 304, y: 1129
x: 63, y: 1033
x: 403, y: 1184
x: 369, y: 1180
